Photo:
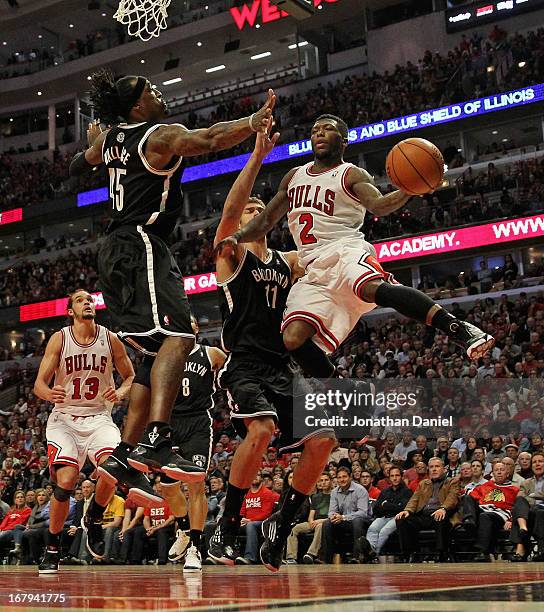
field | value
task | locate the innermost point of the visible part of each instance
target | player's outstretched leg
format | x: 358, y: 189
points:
x: 416, y: 305
x: 154, y: 451
x: 65, y: 482
x: 245, y: 465
x: 277, y: 527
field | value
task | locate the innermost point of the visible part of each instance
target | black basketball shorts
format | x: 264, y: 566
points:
x: 254, y: 389
x: 143, y: 289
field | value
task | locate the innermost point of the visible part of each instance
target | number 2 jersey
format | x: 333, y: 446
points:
x: 252, y: 303
x: 140, y: 194
x: 85, y: 371
x: 322, y: 210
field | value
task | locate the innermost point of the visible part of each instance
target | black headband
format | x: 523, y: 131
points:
x: 129, y: 94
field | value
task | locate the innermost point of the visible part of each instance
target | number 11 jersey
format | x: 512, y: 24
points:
x: 252, y: 303
x: 85, y: 371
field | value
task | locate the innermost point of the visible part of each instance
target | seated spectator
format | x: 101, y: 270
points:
x: 389, y: 503
x: 18, y: 515
x: 319, y: 510
x: 422, y: 473
x: 111, y: 522
x: 421, y: 447
x: 497, y: 451
x: 512, y: 475
x: 524, y: 466
x: 465, y: 476
x: 453, y: 467
x: 472, y: 444
x: 488, y: 509
x: 406, y: 445
x: 528, y: 514
x: 78, y: 548
x: 367, y: 462
x: 366, y: 481
x: 258, y: 505
x: 39, y: 518
x: 433, y: 506
x: 132, y: 525
x: 477, y: 468
x: 348, y: 512
x: 384, y: 482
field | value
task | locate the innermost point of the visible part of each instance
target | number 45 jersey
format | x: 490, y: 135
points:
x: 252, y: 303
x: 140, y: 194
x: 85, y: 371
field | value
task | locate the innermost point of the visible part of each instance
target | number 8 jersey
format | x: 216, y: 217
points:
x: 322, y: 209
x: 85, y: 371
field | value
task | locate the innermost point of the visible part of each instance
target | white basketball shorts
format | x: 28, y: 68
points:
x: 328, y: 295
x: 72, y: 438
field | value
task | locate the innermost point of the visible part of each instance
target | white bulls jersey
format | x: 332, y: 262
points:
x: 85, y: 372
x: 322, y: 210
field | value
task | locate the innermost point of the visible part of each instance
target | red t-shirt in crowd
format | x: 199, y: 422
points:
x: 158, y: 515
x: 15, y: 517
x: 258, y: 506
x: 373, y: 493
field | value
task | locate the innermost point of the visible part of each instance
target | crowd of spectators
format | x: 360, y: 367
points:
x: 359, y: 99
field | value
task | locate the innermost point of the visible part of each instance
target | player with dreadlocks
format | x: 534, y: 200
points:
x: 140, y: 280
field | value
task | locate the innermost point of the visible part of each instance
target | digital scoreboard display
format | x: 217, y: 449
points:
x: 461, y: 16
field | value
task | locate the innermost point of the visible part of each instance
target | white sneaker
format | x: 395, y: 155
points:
x: 193, y: 561
x: 180, y: 546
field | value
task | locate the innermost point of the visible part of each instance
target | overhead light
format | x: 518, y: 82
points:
x: 4, y: 43
x: 142, y: 61
x: 104, y: 15
x: 216, y: 68
x: 302, y: 43
x: 172, y: 81
x: 198, y: 44
x: 70, y: 225
x: 52, y: 47
x: 39, y: 93
x: 261, y: 55
x: 495, y: 132
x: 505, y: 139
x: 258, y: 26
x: 89, y: 78
x: 11, y: 119
x: 58, y: 115
x: 522, y: 64
x: 491, y: 69
x: 18, y: 237
x: 40, y: 36
x: 71, y: 25
x: 85, y: 229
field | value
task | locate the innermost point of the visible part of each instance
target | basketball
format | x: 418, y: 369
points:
x: 415, y: 166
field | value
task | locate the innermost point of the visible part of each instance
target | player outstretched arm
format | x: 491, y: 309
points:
x: 85, y: 161
x: 48, y: 366
x: 183, y: 142
x: 123, y: 365
x: 360, y: 182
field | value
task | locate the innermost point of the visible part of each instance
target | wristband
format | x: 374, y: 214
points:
x: 237, y: 235
x: 251, y: 123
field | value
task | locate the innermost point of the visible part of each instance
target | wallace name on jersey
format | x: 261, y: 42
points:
x: 112, y: 153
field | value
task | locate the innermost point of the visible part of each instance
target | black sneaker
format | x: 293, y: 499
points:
x: 50, y: 562
x: 115, y: 471
x: 272, y: 548
x: 476, y: 342
x: 221, y: 548
x: 154, y: 452
x: 95, y: 537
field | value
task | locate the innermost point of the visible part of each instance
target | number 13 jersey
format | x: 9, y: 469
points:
x: 85, y: 371
x: 322, y: 210
x: 252, y: 304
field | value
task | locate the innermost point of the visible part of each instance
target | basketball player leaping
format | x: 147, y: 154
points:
x: 140, y: 279
x: 255, y: 283
x: 82, y: 357
x: 325, y: 201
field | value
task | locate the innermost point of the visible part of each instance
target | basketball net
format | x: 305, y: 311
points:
x: 144, y: 18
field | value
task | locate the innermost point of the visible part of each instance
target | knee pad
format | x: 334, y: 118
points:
x: 61, y: 494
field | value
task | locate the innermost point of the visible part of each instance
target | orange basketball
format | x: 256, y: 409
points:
x: 415, y: 166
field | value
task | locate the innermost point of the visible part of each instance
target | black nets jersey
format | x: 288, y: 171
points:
x: 138, y: 193
x: 252, y: 303
x: 195, y: 395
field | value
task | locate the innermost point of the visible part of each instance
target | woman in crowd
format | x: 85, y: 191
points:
x: 18, y: 515
x: 39, y: 517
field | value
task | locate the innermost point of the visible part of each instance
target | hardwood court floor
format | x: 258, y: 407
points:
x: 496, y: 587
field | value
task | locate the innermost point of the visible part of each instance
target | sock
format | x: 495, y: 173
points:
x: 313, y: 360
x: 95, y: 511
x: 411, y: 303
x: 233, y: 503
x: 196, y: 537
x: 291, y: 503
x: 53, y: 540
x: 442, y: 320
x: 183, y: 522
